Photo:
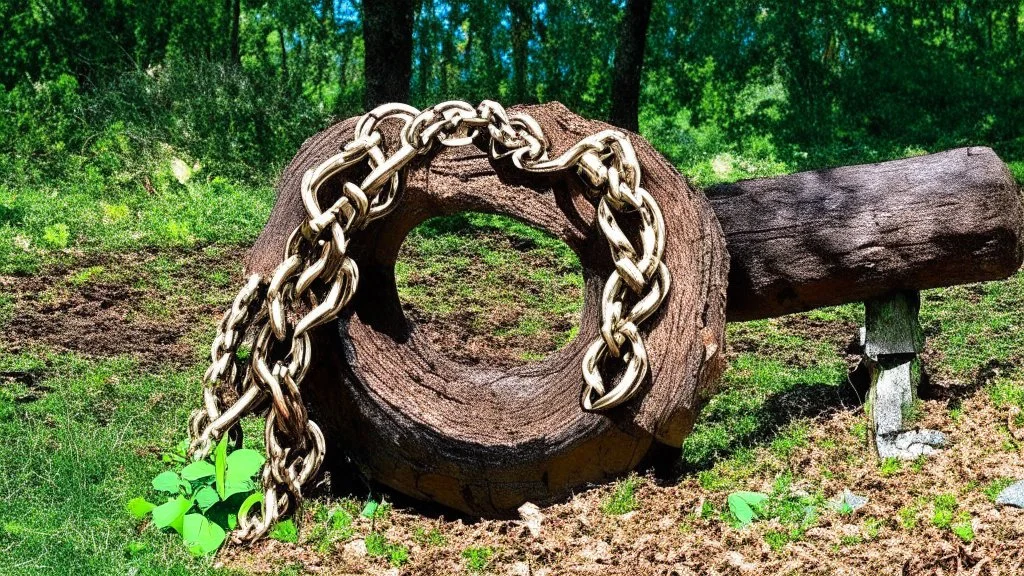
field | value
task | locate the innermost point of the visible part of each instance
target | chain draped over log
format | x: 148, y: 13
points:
x: 318, y: 277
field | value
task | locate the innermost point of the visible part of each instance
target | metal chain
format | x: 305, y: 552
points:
x: 317, y: 275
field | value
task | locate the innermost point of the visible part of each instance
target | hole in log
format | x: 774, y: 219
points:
x: 489, y: 289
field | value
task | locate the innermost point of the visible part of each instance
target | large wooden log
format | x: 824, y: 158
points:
x: 852, y: 233
x: 485, y: 440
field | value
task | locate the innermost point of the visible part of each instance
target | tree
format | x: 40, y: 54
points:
x: 387, y: 36
x: 522, y: 20
x: 629, y: 63
x: 235, y: 56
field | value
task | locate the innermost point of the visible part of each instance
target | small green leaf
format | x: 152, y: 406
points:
x: 167, y: 482
x: 139, y: 507
x: 232, y: 521
x: 220, y: 461
x: 201, y: 536
x: 243, y: 464
x: 369, y: 509
x: 285, y: 532
x: 172, y: 513
x: 198, y: 470
x: 249, y: 502
x: 206, y: 497
x: 743, y: 504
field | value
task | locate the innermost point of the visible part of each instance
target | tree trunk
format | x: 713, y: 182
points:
x: 426, y: 41
x: 484, y: 440
x: 851, y: 233
x: 387, y: 38
x: 235, y: 41
x: 629, y: 64
x: 522, y: 19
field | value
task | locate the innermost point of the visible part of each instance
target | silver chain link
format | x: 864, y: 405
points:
x: 317, y: 275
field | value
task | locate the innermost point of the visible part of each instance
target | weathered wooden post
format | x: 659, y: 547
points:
x: 892, y: 339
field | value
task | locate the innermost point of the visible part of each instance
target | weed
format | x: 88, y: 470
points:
x: 378, y: 546
x: 945, y: 506
x: 6, y: 309
x: 963, y: 530
x: 945, y: 516
x: 478, y: 559
x: 859, y: 430
x: 86, y: 275
x: 908, y: 516
x: 912, y: 411
x: 996, y: 486
x: 333, y: 525
x: 777, y: 539
x: 872, y: 527
x: 623, y: 498
x: 890, y: 467
x: 206, y: 498
x: 430, y: 538
x: 918, y: 464
x: 57, y: 236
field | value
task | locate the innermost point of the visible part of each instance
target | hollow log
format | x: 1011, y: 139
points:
x: 485, y: 440
x: 853, y: 233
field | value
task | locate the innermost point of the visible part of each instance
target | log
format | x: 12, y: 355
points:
x: 853, y: 233
x: 486, y: 440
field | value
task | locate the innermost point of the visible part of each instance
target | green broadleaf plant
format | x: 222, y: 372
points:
x: 205, y: 498
x: 744, y: 506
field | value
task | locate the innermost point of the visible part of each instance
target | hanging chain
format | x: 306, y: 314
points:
x: 318, y: 277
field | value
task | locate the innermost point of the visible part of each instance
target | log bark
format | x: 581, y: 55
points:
x: 485, y: 440
x: 852, y: 233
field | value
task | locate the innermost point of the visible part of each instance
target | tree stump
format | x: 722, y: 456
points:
x: 484, y: 440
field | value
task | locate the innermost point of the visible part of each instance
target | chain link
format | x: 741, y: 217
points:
x: 316, y: 276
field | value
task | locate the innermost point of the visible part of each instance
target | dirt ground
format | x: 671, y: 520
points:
x: 676, y: 528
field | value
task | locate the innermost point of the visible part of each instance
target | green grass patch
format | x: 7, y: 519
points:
x: 75, y: 456
x: 623, y: 499
x: 760, y: 397
x: 378, y: 546
x: 478, y: 559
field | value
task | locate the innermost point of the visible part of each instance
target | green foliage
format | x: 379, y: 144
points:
x: 378, y: 546
x: 207, y: 497
x: 430, y: 538
x: 478, y: 559
x: 890, y: 467
x: 623, y: 497
x: 946, y: 516
x: 744, y: 506
x: 995, y: 487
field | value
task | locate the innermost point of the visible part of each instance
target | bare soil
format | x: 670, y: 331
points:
x: 118, y: 310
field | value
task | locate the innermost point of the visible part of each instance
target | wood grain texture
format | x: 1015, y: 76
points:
x: 851, y: 233
x: 486, y: 440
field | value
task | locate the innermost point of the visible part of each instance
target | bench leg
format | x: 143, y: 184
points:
x: 892, y: 341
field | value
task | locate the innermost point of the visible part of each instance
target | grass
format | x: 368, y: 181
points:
x: 623, y: 498
x: 378, y: 546
x: 73, y: 458
x: 478, y: 559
